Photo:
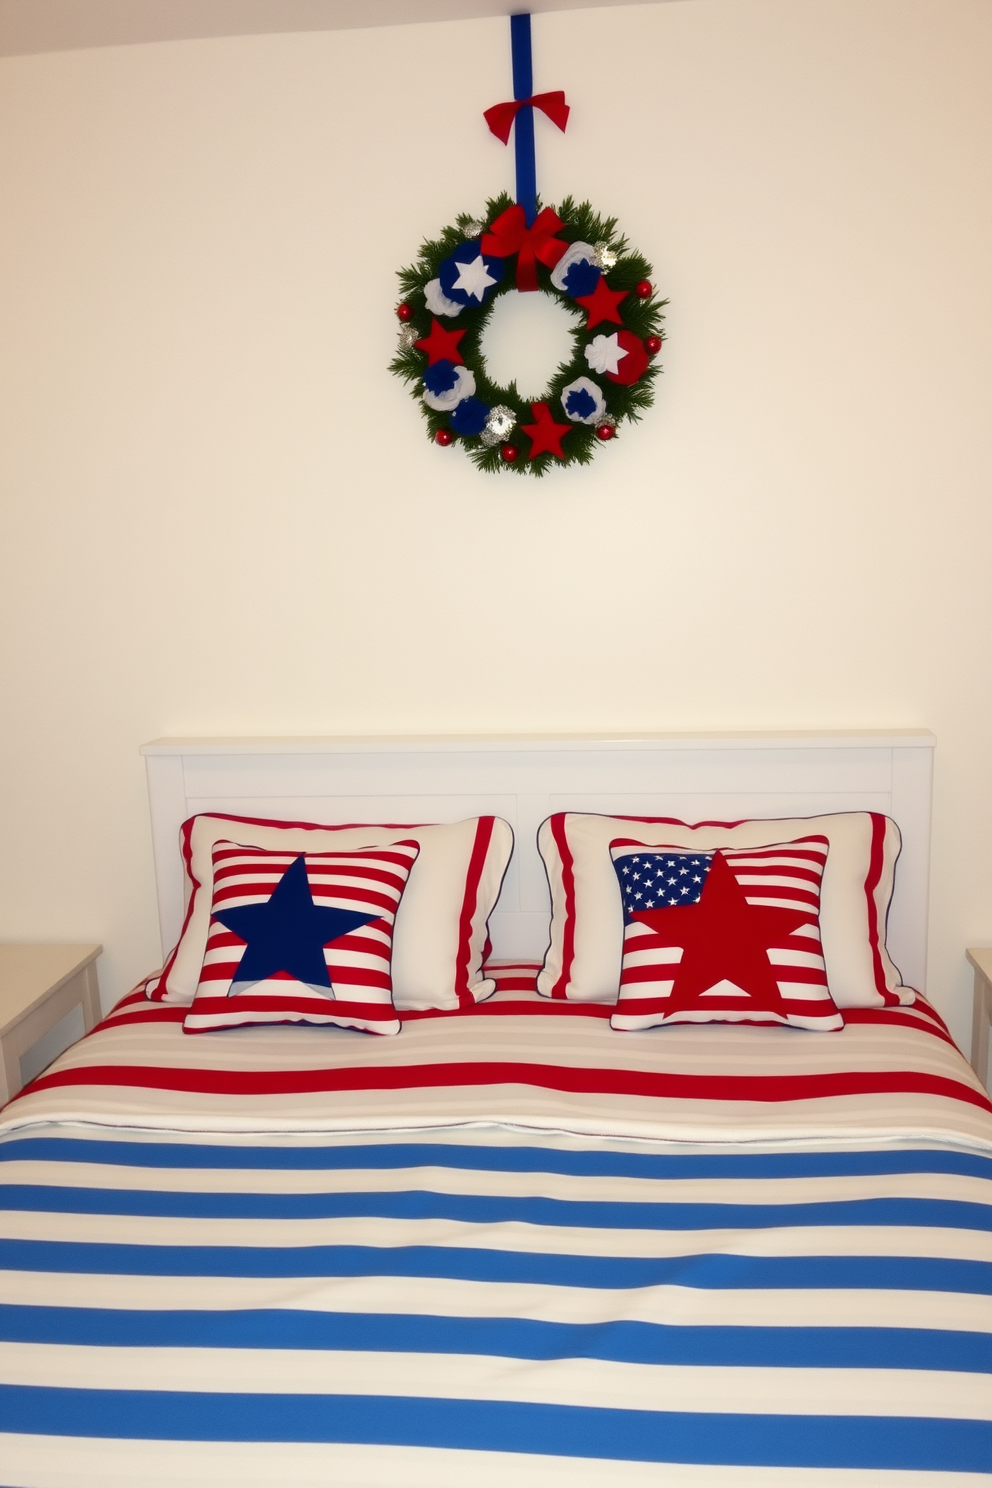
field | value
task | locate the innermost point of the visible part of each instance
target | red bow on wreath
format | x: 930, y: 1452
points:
x: 501, y: 116
x: 510, y: 234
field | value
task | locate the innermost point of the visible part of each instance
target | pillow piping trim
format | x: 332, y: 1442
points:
x: 874, y: 877
x: 160, y: 991
x: 560, y: 988
x: 476, y: 864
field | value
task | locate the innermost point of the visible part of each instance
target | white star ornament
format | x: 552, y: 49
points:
x: 604, y: 353
x: 474, y: 278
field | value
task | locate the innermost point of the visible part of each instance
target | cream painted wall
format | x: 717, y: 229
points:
x: 219, y: 512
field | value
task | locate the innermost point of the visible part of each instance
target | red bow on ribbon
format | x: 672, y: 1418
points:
x: 501, y: 116
x: 510, y: 234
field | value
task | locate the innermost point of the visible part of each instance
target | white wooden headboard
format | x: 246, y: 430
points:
x: 524, y: 779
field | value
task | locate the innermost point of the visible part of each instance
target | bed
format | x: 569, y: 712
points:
x: 512, y: 1241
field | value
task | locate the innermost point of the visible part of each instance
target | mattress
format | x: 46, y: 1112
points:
x: 508, y: 1242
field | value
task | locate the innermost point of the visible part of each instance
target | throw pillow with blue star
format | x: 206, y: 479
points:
x: 301, y: 938
x: 723, y: 936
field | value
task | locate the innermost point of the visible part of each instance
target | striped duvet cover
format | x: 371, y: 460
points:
x: 509, y: 1246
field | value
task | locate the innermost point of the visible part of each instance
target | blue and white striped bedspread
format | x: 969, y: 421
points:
x: 490, y: 1307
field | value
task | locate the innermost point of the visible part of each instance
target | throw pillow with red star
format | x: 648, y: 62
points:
x: 723, y: 936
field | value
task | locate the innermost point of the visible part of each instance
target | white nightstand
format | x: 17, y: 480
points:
x: 39, y: 985
x: 981, y: 959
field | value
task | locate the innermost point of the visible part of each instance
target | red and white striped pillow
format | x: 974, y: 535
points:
x: 722, y: 937
x: 301, y: 938
x: 441, y: 935
x: 583, y: 960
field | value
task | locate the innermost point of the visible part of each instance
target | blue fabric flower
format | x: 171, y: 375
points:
x: 581, y: 278
x: 583, y: 401
x: 470, y: 416
x: 579, y: 404
x: 440, y: 378
x: 579, y: 259
x: 469, y: 276
x: 457, y: 384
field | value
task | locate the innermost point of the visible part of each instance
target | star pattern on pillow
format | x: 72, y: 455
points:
x: 725, y: 940
x: 288, y: 933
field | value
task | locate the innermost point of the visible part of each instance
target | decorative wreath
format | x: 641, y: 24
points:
x: 448, y: 296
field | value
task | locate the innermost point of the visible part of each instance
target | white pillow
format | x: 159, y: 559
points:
x: 440, y: 938
x: 584, y: 959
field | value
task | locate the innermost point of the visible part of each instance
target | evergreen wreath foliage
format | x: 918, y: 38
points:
x: 641, y: 315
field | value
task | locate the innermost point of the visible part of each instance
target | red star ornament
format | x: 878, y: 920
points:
x: 441, y: 345
x: 602, y: 304
x: 724, y: 939
x: 545, y: 435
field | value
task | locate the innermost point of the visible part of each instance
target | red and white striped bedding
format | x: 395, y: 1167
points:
x: 521, y: 1060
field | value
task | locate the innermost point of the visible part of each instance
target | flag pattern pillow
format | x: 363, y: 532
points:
x: 723, y: 937
x: 300, y: 937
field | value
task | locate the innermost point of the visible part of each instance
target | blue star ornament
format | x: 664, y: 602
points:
x: 288, y: 933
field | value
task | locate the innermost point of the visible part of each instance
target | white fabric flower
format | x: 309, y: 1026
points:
x: 444, y: 402
x: 604, y: 353
x: 438, y: 302
x: 574, y: 253
x: 587, y: 386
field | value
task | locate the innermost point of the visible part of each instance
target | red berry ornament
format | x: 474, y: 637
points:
x: 605, y: 432
x: 653, y: 345
x: 444, y: 437
x: 404, y: 311
x: 510, y: 453
x: 644, y: 290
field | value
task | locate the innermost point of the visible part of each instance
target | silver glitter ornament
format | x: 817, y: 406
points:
x: 608, y: 420
x: 499, y: 424
x: 605, y: 256
x: 408, y: 336
x: 473, y: 228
